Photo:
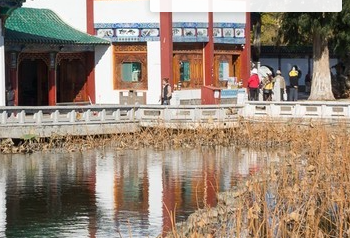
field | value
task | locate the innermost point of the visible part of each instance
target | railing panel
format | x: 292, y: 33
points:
x: 184, y: 115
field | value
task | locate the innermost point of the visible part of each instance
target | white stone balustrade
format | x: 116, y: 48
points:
x: 114, y: 118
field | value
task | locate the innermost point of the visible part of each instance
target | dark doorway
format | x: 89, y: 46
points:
x: 71, y: 85
x: 33, y: 83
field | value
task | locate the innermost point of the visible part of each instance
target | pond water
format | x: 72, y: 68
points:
x: 112, y: 193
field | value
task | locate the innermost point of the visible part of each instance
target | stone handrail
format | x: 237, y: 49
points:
x: 304, y: 109
x: 107, y: 119
x: 65, y: 115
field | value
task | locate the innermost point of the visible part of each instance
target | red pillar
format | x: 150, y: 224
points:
x: 209, y: 53
x: 245, y: 56
x: 90, y: 83
x: 52, y: 80
x: 166, y: 46
x: 14, y: 75
x: 90, y: 17
x: 90, y: 55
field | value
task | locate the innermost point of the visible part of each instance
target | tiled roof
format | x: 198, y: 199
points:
x: 43, y: 26
x: 290, y: 51
x: 287, y: 49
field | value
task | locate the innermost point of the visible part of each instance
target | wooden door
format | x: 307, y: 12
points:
x: 72, y: 81
x: 220, y: 72
x: 33, y: 83
x: 188, y: 70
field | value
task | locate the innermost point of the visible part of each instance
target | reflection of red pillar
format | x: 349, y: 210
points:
x: 90, y: 62
x: 92, y: 194
x: 52, y: 79
x: 168, y: 200
x: 245, y: 56
x: 145, y: 192
x: 210, y: 180
x: 166, y: 46
x: 209, y: 53
x: 13, y: 75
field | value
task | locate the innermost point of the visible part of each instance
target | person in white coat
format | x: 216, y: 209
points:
x: 279, y: 87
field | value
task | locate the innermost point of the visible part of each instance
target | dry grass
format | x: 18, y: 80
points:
x: 260, y: 134
x: 305, y: 195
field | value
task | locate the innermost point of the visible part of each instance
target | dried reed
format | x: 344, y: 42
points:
x: 306, y: 194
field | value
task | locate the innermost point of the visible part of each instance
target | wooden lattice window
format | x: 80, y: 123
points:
x: 130, y: 66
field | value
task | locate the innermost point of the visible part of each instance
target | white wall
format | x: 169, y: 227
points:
x: 105, y: 94
x: 136, y: 11
x: 72, y: 12
x: 104, y: 76
x: 234, y: 17
x: 154, y: 72
x: 190, y: 17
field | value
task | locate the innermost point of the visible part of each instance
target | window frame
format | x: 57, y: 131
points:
x: 132, y: 71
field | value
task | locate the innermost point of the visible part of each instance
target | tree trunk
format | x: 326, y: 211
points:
x: 321, y: 87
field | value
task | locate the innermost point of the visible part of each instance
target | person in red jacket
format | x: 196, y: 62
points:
x: 253, y: 85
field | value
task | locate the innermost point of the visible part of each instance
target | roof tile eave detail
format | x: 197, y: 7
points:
x: 44, y: 26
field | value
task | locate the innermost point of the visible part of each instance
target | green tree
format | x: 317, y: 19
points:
x: 321, y: 30
x: 270, y: 23
x: 318, y: 29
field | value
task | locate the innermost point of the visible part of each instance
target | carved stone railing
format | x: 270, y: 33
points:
x: 108, y: 119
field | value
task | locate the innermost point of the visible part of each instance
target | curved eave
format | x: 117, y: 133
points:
x: 43, y: 26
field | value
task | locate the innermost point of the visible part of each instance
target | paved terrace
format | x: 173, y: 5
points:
x: 17, y: 122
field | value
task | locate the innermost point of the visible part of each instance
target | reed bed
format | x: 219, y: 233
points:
x: 259, y: 134
x: 306, y: 194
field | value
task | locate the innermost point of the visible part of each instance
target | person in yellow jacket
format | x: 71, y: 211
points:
x: 268, y: 83
x: 294, y: 84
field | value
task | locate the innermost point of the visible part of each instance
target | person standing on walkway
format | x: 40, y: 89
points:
x: 308, y: 79
x: 166, y: 92
x: 268, y: 83
x: 294, y: 84
x: 253, y: 85
x: 281, y: 83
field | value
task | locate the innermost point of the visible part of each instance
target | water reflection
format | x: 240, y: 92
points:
x: 108, y: 193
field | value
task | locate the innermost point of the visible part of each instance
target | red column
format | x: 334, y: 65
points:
x: 245, y: 56
x: 209, y: 54
x: 14, y: 75
x: 90, y: 55
x: 90, y: 83
x: 166, y: 46
x: 52, y: 80
x: 90, y: 17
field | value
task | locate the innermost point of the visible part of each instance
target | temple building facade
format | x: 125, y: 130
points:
x: 118, y: 51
